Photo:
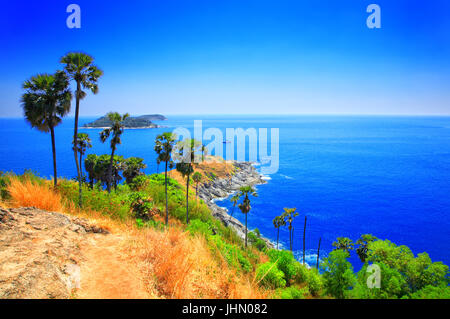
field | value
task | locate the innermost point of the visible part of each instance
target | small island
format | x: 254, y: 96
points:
x: 138, y: 122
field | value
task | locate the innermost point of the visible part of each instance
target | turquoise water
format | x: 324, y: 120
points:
x: 389, y: 176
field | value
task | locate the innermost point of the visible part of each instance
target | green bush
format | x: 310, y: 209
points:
x: 232, y: 254
x: 254, y: 238
x: 268, y: 275
x: 315, y: 282
x: 293, y: 293
x: 142, y: 206
x: 285, y: 262
x: 198, y: 227
x: 139, y: 182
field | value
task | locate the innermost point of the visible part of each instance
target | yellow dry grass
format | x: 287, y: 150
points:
x: 27, y: 193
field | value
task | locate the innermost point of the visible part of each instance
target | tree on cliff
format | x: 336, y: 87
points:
x: 278, y: 222
x: 234, y: 199
x: 83, y: 143
x: 164, y: 146
x: 245, y: 192
x: 45, y: 102
x: 116, y: 130
x: 289, y: 215
x: 197, y: 177
x: 80, y: 68
x: 188, y: 151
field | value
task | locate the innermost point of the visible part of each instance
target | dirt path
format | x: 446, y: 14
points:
x: 107, y: 271
x: 50, y: 255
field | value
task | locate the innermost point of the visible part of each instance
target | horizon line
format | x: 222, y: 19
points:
x: 263, y: 114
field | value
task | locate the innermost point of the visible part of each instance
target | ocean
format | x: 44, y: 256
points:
x: 350, y: 175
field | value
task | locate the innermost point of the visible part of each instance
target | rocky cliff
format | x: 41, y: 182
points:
x: 245, y: 174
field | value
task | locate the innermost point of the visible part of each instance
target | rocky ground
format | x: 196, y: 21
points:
x: 40, y: 253
x: 245, y: 175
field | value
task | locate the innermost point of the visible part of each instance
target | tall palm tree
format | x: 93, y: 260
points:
x: 245, y: 192
x: 164, y: 146
x: 45, y: 102
x: 197, y: 178
x: 116, y: 131
x: 80, y: 68
x: 187, y: 150
x: 279, y: 222
x: 204, y: 152
x: 234, y: 199
x: 83, y: 143
x: 289, y: 215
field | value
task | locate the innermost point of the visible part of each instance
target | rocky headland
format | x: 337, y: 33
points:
x: 245, y: 174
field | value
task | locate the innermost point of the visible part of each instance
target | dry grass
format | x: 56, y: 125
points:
x: 185, y: 267
x: 28, y: 193
x: 173, y: 263
x: 211, y: 165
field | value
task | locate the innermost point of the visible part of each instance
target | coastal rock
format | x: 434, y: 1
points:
x: 245, y: 175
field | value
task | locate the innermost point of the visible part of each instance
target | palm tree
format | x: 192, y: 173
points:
x: 304, y: 241
x: 278, y: 222
x: 80, y: 68
x: 234, y: 199
x: 318, y: 254
x: 45, y: 102
x: 116, y: 131
x: 164, y: 145
x: 83, y: 143
x: 197, y: 178
x: 187, y: 150
x: 132, y: 167
x: 363, y: 244
x: 245, y: 205
x: 204, y: 152
x: 289, y: 215
x: 343, y: 243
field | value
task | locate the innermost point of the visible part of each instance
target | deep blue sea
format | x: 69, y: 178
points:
x: 351, y: 175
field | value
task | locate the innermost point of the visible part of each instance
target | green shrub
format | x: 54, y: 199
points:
x: 285, y: 262
x: 293, y: 293
x: 255, y: 240
x: 197, y: 226
x: 139, y: 182
x: 268, y: 275
x: 314, y: 281
x: 232, y: 254
x: 142, y: 206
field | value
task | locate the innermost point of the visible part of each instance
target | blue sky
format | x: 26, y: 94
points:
x: 232, y: 57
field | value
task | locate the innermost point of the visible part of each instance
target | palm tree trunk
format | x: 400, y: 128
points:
x: 81, y: 165
x: 108, y: 185
x: 55, y: 174
x: 246, y: 230
x: 292, y: 244
x: 167, y: 204
x: 304, y: 234
x: 187, y: 199
x: 75, y: 139
x: 318, y: 253
x: 278, y: 235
